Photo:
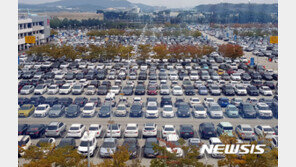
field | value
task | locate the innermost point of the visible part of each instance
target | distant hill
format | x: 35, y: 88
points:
x: 82, y: 5
x: 228, y: 7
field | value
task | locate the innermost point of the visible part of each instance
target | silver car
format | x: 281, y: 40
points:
x: 108, y: 147
x: 245, y: 131
x: 55, y: 129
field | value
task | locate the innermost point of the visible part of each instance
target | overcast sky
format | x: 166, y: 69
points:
x: 170, y: 3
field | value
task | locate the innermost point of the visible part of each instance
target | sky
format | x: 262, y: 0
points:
x: 169, y: 3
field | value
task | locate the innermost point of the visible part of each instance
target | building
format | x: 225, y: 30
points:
x: 32, y: 25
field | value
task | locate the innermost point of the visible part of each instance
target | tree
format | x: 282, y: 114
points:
x: 161, y: 51
x: 231, y: 51
x: 268, y: 159
x: 170, y: 159
x: 206, y: 50
x: 44, y: 157
x: 69, y: 52
x: 119, y: 158
x: 125, y: 51
x: 196, y: 33
x: 177, y: 51
x: 144, y: 50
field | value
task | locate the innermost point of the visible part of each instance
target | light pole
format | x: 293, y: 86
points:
x: 88, y: 156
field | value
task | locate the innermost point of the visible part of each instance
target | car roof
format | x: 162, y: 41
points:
x: 75, y: 125
x: 149, y: 124
x: 215, y: 140
x: 54, y: 123
x: 168, y: 126
x: 226, y: 124
x: 246, y: 126
x: 131, y: 124
x: 109, y: 140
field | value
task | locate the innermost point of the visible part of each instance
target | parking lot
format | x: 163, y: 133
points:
x: 160, y: 121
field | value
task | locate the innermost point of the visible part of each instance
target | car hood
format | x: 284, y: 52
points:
x: 149, y: 151
x: 54, y: 111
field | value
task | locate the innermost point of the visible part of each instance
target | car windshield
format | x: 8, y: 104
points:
x: 105, y: 108
x: 268, y: 129
x: 85, y: 143
x: 131, y: 128
x: 26, y: 87
x: 263, y: 107
x: 108, y: 145
x: 120, y: 108
x: 215, y: 108
x: 247, y: 129
x: 150, y: 144
x: 77, y: 87
x: 169, y: 129
x: 41, y: 108
x: 65, y: 87
x: 88, y: 108
x: 136, y: 107
x: 177, y: 88
x: 151, y: 108
x: 26, y: 107
x: 56, y: 107
x: 51, y: 127
x: 199, y: 108
x: 74, y: 128
x: 93, y: 128
x: 228, y: 128
x: 39, y: 87
x: 248, y: 107
x: 114, y: 127
x: 167, y: 109
x: 52, y: 87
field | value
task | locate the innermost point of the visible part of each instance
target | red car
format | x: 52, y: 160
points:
x: 152, y: 90
x: 230, y: 71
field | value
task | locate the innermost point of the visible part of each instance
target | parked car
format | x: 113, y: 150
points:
x: 148, y: 150
x: 109, y: 147
x: 76, y: 130
x: 245, y: 131
x: 55, y: 129
x: 207, y: 130
x: 186, y: 131
x: 36, y: 130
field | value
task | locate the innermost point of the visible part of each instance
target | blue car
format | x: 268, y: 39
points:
x: 223, y: 101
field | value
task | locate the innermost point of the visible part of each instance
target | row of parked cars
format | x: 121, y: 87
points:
x: 235, y: 107
x: 131, y: 132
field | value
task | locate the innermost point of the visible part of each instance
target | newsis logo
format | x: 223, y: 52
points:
x: 233, y: 149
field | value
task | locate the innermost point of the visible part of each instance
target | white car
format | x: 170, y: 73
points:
x: 84, y: 82
x: 214, y: 110
x: 265, y: 130
x: 91, y: 66
x: 40, y: 89
x: 167, y: 130
x: 173, y: 76
x: 27, y: 89
x: 194, y: 76
x: 235, y: 77
x: 64, y: 65
x: 115, y: 89
x: 24, y: 142
x: 89, y: 110
x: 207, y: 101
x: 100, y: 66
x: 199, y: 111
x: 240, y: 90
x: 245, y: 131
x: 53, y: 89
x: 90, y: 90
x: 138, y: 100
x: 197, y: 84
x: 76, y: 130
x: 42, y: 110
x: 265, y: 90
x: 216, y: 141
x: 59, y: 76
x: 116, y: 130
x: 131, y: 130
x: 152, y: 110
x: 164, y: 90
x: 168, y: 111
x: 173, y: 139
x: 82, y: 65
x: 65, y: 89
x: 263, y: 110
x: 96, y: 129
x: 149, y: 130
x: 194, y: 101
x: 121, y: 110
x: 87, y: 142
x: 177, y: 91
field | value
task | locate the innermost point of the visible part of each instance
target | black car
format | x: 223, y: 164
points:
x: 23, y: 100
x: 183, y: 110
x: 256, y: 75
x: 66, y: 101
x: 51, y: 101
x: 60, y: 83
x: 274, y: 109
x: 101, y: 76
x: 142, y: 76
x: 105, y: 111
x: 178, y: 101
x: 22, y: 128
x: 257, y: 83
x: 136, y: 110
x: 247, y: 110
x: 72, y: 111
x: 94, y: 83
x: 270, y: 84
x: 228, y: 90
x: 140, y: 90
x: 49, y: 75
x: 207, y: 130
x: 67, y: 142
x: 186, y: 131
x: 28, y: 75
x: 36, y: 130
x: 275, y: 76
x: 189, y: 90
x: 90, y: 75
x: 102, y: 90
x: 132, y: 146
x: 148, y: 148
x: 267, y: 76
x: 252, y: 90
x: 81, y: 101
x: 166, y: 100
x: 246, y: 77
x: 36, y: 100
x: 79, y: 75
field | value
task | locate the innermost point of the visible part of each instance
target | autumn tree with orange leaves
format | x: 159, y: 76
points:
x: 231, y: 51
x: 161, y: 51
